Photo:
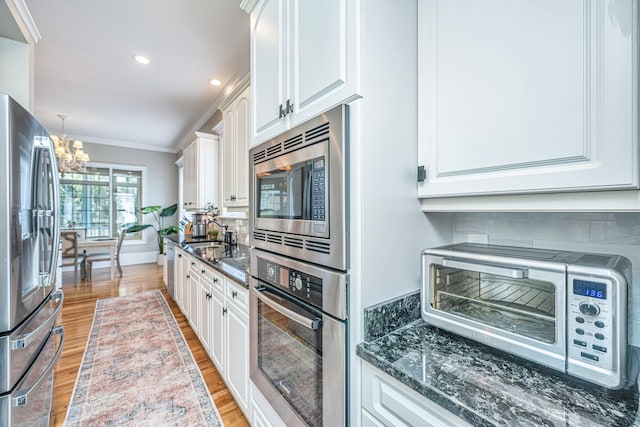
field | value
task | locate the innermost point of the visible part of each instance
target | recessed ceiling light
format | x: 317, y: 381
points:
x: 215, y: 82
x: 141, y: 59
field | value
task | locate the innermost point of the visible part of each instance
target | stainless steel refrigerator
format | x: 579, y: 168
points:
x: 30, y: 341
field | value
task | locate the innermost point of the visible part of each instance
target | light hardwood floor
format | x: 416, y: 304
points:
x: 77, y: 317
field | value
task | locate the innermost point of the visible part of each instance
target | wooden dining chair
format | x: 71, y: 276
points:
x: 91, y: 258
x: 70, y: 255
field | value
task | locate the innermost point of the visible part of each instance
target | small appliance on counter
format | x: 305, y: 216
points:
x: 199, y: 225
x: 564, y: 310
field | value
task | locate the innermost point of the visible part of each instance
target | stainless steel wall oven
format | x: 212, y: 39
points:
x: 298, y: 315
x: 298, y: 191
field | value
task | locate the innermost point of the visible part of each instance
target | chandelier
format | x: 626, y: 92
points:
x: 69, y: 161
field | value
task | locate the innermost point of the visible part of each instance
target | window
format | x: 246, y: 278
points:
x: 102, y: 200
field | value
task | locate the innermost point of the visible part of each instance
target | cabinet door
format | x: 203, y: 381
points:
x: 218, y: 317
x: 322, y: 48
x: 228, y: 156
x: 527, y: 96
x: 238, y: 355
x: 268, y: 68
x: 390, y: 402
x: 205, y: 313
x: 190, y: 189
x: 178, y: 277
x: 243, y: 123
x: 193, y: 284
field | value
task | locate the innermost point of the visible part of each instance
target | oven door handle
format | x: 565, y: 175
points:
x: 516, y: 273
x: 313, y: 324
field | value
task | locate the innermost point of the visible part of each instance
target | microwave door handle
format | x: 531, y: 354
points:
x: 516, y: 273
x: 313, y: 324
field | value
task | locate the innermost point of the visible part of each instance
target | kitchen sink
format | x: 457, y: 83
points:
x: 199, y: 245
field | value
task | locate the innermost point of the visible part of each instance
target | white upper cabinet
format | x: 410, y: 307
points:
x: 532, y: 96
x: 200, y: 183
x: 303, y: 61
x: 235, y: 149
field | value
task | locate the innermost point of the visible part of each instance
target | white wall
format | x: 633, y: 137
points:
x: 161, y: 188
x: 14, y: 70
x: 612, y: 233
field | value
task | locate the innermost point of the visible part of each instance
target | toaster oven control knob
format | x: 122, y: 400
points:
x: 589, y: 309
x: 298, y: 283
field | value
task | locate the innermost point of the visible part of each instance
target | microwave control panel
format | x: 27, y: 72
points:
x: 591, y: 331
x: 318, y: 190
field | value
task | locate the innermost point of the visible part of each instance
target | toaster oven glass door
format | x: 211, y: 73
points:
x: 522, y: 306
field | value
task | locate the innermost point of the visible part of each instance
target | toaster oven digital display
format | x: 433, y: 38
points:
x: 590, y: 289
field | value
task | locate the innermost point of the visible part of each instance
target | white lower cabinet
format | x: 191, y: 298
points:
x: 179, y: 277
x: 237, y: 340
x: 193, y: 286
x: 218, y: 311
x: 217, y: 352
x: 387, y: 402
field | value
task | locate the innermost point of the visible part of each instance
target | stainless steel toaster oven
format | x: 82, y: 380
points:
x: 564, y: 310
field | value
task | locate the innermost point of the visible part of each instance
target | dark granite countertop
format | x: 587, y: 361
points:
x: 486, y: 387
x: 233, y: 262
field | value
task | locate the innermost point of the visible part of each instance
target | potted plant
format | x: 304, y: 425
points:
x: 159, y: 214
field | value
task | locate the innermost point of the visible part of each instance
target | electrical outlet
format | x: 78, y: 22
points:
x: 478, y: 238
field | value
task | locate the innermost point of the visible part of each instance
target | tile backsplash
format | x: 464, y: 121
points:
x: 612, y: 233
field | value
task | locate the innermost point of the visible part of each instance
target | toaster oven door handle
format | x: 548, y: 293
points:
x: 516, y: 273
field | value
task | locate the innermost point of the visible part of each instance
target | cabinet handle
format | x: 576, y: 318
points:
x: 224, y: 311
x: 289, y: 108
x: 188, y: 276
x: 202, y: 271
x: 234, y: 294
x: 179, y: 255
x: 193, y: 263
x: 281, y: 112
x: 215, y: 280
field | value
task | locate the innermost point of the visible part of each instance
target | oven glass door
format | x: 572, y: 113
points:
x: 289, y: 351
x: 524, y: 306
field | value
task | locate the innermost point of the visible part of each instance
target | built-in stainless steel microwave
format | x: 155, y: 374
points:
x: 298, y: 191
x: 564, y: 310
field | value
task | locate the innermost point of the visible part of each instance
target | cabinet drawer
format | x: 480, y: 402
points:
x: 238, y: 295
x: 394, y: 404
x: 194, y: 264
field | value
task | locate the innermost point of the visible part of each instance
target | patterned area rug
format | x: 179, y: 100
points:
x: 138, y: 370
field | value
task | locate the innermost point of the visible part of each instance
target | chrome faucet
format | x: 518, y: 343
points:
x: 226, y: 227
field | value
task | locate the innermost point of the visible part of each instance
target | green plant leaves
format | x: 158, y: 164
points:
x: 150, y: 209
x: 137, y: 228
x: 169, y: 210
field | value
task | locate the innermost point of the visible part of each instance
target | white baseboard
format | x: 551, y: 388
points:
x: 126, y: 259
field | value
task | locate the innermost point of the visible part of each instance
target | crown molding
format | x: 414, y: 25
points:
x: 123, y: 144
x: 241, y: 74
x: 236, y: 90
x: 248, y: 5
x: 25, y: 21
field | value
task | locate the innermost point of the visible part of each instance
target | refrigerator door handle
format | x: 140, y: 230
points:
x: 51, y: 215
x: 26, y: 340
x: 22, y: 398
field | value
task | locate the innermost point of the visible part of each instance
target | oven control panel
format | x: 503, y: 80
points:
x: 591, y: 331
x: 304, y: 286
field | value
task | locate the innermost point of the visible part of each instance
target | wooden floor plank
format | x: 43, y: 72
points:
x: 77, y: 317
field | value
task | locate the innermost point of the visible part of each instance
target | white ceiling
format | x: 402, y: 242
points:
x: 83, y: 67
